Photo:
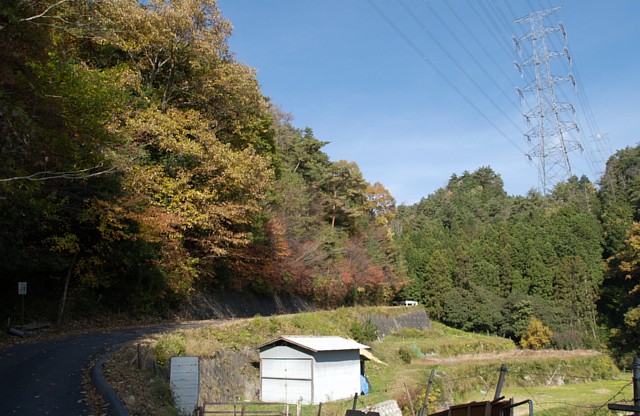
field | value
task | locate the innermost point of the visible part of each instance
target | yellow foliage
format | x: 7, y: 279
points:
x: 632, y: 317
x: 203, y: 184
x: 630, y: 255
x: 538, y: 335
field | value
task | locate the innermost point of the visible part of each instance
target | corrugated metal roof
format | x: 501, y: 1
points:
x: 318, y: 343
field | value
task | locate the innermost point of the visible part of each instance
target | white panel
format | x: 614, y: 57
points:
x: 287, y: 391
x: 336, y: 376
x: 286, y: 368
x: 184, y: 382
x: 284, y: 351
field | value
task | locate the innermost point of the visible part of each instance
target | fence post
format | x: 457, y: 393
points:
x: 503, y: 371
x: 636, y: 385
x: 406, y: 389
x: 355, y: 401
x: 423, y: 410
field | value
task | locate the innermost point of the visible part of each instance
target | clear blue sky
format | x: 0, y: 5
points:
x: 413, y: 101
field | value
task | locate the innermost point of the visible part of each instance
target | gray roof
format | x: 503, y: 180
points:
x: 318, y: 343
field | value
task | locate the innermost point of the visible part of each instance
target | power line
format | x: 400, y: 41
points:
x: 501, y: 41
x: 473, y: 58
x: 435, y: 68
x: 478, y: 43
x: 456, y: 63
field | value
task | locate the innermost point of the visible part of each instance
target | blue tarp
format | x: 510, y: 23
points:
x: 364, y: 385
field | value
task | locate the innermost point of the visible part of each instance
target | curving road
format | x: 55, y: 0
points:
x: 45, y: 378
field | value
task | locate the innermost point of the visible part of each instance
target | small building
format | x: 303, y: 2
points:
x: 314, y: 369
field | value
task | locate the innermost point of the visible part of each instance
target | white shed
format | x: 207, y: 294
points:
x: 314, y: 369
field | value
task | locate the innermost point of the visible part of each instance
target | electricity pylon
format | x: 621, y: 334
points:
x: 550, y: 132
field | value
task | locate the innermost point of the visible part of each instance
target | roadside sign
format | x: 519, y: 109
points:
x: 184, y: 381
x: 22, y: 288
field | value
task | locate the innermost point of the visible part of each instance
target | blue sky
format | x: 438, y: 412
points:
x: 413, y: 101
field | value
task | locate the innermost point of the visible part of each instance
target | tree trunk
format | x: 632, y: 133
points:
x: 63, y: 301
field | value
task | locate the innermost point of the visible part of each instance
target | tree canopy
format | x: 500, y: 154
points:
x: 140, y: 162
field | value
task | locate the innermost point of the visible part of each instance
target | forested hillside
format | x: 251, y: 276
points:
x: 481, y: 260
x: 140, y: 162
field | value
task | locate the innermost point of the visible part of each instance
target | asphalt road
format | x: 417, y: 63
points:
x: 45, y: 378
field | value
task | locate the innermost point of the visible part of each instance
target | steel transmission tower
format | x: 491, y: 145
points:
x: 550, y: 132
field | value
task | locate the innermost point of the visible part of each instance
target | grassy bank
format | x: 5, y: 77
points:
x: 466, y: 365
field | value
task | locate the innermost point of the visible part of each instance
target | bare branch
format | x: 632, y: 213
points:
x: 44, y: 13
x: 75, y: 174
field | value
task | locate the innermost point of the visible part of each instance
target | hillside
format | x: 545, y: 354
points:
x: 143, y: 171
x: 467, y: 365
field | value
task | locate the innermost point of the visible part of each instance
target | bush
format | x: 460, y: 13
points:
x: 364, y: 331
x: 405, y: 354
x: 170, y: 345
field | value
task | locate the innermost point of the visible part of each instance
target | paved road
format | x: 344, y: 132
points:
x: 45, y: 378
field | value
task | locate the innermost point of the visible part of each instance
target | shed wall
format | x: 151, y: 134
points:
x: 284, y: 351
x: 286, y: 375
x: 336, y: 375
x: 289, y: 373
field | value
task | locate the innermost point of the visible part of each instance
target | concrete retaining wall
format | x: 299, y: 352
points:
x: 228, y: 304
x: 388, y: 325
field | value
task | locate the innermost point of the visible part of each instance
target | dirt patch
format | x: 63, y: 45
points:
x: 602, y: 391
x: 513, y: 354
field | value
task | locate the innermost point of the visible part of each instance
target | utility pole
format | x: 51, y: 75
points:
x: 550, y: 129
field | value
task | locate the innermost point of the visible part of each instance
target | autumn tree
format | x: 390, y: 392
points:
x: 537, y: 336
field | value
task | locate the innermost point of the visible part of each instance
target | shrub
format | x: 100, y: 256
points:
x: 169, y: 345
x: 405, y: 354
x: 364, y: 331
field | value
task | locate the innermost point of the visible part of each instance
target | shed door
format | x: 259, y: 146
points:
x: 286, y: 380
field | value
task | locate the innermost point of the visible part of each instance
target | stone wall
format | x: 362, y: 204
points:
x: 230, y: 373
x: 387, y: 325
x: 388, y: 408
x: 229, y: 304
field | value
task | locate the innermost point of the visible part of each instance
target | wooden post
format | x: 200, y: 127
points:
x: 503, y: 371
x: 423, y: 410
x: 636, y: 385
x: 406, y: 389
